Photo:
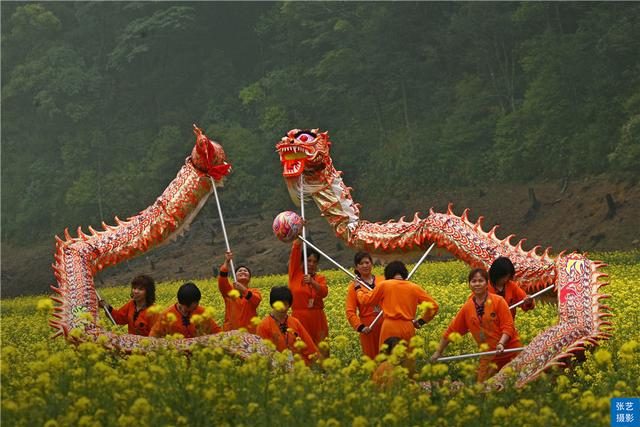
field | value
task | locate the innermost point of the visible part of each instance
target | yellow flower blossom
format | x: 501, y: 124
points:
x: 279, y: 306
x: 45, y: 304
x: 603, y: 357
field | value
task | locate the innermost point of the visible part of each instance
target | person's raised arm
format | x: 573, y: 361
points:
x: 223, y: 278
x: 295, y: 264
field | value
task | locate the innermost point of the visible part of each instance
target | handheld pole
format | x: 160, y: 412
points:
x: 484, y: 353
x: 350, y: 274
x: 106, y: 310
x: 376, y: 319
x: 533, y: 296
x: 336, y: 263
x: 304, y: 228
x: 415, y: 267
x: 224, y: 230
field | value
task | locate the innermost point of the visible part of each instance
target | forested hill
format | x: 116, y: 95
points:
x: 98, y: 98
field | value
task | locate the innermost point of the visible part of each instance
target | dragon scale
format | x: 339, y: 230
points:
x: 305, y: 155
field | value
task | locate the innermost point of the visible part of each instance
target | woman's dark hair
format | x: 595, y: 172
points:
x: 480, y: 271
x: 245, y: 267
x: 188, y: 294
x: 391, y: 342
x: 394, y: 268
x: 310, y: 251
x: 149, y: 285
x: 281, y: 293
x: 359, y: 256
x: 501, y: 267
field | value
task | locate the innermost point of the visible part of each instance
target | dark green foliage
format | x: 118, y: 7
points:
x: 98, y: 97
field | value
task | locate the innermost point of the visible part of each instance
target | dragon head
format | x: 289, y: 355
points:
x: 208, y: 156
x: 303, y: 150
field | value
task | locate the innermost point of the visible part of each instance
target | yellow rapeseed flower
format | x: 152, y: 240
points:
x: 299, y: 344
x: 455, y: 337
x: 44, y: 304
x: 603, y: 357
x: 279, y: 306
x: 234, y: 293
x: 359, y: 421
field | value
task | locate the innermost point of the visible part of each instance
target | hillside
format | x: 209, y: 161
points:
x: 575, y: 219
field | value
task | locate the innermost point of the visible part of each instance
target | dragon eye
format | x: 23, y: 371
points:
x: 305, y: 136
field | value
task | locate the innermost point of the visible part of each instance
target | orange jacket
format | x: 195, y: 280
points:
x: 513, y: 294
x: 182, y: 325
x: 302, y: 293
x: 137, y: 325
x: 269, y: 329
x: 496, y: 321
x: 399, y: 299
x: 238, y: 312
x: 356, y: 311
x: 383, y: 375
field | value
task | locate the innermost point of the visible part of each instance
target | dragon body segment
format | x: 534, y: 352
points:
x: 78, y: 259
x: 305, y: 156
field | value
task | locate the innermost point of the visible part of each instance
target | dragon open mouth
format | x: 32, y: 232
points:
x: 293, y: 159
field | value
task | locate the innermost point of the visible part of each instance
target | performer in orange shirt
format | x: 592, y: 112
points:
x: 501, y: 274
x: 360, y: 316
x: 283, y: 330
x: 487, y: 317
x: 399, y: 299
x: 179, y: 318
x: 383, y: 375
x: 135, y: 313
x: 309, y: 291
x: 241, y: 308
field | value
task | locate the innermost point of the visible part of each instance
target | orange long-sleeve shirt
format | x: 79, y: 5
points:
x: 513, y: 294
x: 496, y: 321
x: 184, y: 326
x: 238, y: 312
x: 355, y: 311
x: 139, y: 324
x: 304, y: 296
x: 269, y: 329
x: 399, y: 299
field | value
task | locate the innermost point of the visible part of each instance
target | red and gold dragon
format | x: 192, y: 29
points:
x: 304, y: 154
x: 78, y: 259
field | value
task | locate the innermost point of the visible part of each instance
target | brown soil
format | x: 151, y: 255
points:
x: 577, y: 218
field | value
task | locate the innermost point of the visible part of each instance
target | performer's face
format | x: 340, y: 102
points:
x: 138, y: 294
x: 478, y: 284
x: 187, y: 310
x: 312, y: 264
x: 243, y: 275
x: 364, y: 266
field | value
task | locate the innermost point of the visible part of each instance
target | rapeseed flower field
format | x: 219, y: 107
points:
x: 51, y: 383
